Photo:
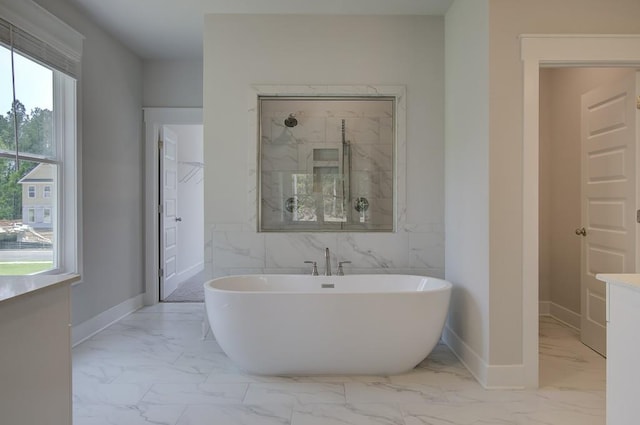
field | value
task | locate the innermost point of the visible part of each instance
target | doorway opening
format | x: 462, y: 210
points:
x: 181, y: 214
x: 586, y: 186
x: 174, y: 205
x: 551, y: 50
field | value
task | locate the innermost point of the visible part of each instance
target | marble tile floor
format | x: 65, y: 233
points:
x: 191, y: 290
x: 152, y: 367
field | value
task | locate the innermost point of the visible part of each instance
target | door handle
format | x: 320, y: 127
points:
x: 581, y: 231
x: 178, y: 218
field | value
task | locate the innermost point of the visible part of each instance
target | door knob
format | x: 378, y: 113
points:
x: 581, y: 231
x: 178, y: 218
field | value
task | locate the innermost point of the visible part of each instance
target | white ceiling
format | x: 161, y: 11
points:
x: 172, y: 29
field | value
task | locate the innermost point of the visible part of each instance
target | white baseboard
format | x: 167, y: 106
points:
x: 544, y: 308
x: 87, y: 329
x: 490, y: 377
x: 560, y: 313
x: 190, y: 272
x: 505, y: 377
x: 566, y: 316
x: 469, y: 358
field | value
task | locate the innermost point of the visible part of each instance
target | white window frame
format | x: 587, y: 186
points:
x: 34, y: 19
x: 31, y: 215
x: 31, y: 191
x: 68, y: 219
x: 46, y: 191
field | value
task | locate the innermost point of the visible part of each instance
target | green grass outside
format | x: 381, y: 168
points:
x: 13, y: 269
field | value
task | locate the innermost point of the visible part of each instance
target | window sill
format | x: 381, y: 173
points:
x: 15, y: 286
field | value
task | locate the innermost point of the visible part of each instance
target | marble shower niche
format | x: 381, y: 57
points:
x: 327, y: 163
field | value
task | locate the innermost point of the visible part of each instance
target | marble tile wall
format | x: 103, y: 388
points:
x: 242, y: 251
x: 415, y: 247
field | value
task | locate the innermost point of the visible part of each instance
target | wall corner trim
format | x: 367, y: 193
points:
x: 85, y: 330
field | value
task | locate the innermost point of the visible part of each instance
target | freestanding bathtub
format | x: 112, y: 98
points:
x: 329, y: 325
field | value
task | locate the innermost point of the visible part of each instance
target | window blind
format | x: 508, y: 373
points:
x: 37, y: 49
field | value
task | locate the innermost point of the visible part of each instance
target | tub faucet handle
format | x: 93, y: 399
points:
x: 314, y: 268
x: 340, y: 271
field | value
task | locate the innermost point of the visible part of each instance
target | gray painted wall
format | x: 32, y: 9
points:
x: 172, y: 84
x: 110, y: 122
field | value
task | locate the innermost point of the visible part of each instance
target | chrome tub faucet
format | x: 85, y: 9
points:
x: 327, y: 265
x: 340, y: 271
x: 327, y: 262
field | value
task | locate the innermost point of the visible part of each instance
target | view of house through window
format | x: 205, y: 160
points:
x: 29, y: 161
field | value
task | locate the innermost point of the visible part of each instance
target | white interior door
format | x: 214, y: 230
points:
x: 608, y: 140
x: 169, y: 219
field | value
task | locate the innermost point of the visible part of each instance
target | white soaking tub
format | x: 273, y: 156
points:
x: 333, y: 325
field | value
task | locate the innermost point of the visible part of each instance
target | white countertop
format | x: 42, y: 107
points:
x: 14, y: 286
x: 629, y: 279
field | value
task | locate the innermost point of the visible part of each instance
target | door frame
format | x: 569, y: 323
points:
x: 154, y: 119
x: 549, y: 50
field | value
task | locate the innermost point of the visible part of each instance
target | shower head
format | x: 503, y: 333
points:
x: 291, y: 121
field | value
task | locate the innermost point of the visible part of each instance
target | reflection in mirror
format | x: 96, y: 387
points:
x: 326, y: 163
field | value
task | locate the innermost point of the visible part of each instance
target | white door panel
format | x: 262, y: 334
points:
x: 608, y: 198
x: 608, y: 214
x: 169, y: 217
